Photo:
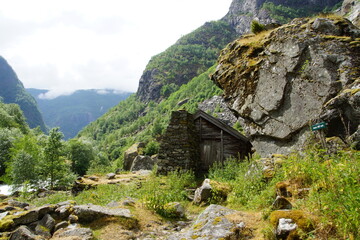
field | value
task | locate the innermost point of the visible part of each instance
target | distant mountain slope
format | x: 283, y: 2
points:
x: 190, y: 56
x: 12, y: 91
x: 71, y: 113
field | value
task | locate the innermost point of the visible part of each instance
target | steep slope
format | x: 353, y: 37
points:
x: 13, y: 91
x: 72, y: 112
x: 284, y: 80
x: 242, y: 12
x: 190, y: 56
x: 133, y: 120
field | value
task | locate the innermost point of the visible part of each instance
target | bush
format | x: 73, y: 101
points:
x: 156, y: 193
x: 152, y: 148
x: 256, y: 27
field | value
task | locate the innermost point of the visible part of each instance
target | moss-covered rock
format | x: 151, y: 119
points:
x: 280, y: 81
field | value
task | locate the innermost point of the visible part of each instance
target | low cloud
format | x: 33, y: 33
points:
x: 52, y: 94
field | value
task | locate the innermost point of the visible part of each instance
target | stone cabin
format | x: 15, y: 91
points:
x: 196, y: 141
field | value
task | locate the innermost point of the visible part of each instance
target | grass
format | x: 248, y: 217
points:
x: 332, y: 199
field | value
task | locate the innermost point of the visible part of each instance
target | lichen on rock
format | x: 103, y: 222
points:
x: 280, y: 80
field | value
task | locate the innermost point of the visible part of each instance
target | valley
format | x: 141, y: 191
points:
x: 245, y: 128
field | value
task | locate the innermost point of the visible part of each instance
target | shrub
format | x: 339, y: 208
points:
x: 152, y: 148
x: 256, y: 27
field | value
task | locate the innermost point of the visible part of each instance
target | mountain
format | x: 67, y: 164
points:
x: 190, y: 56
x: 169, y: 81
x: 242, y: 12
x: 12, y: 91
x: 72, y: 112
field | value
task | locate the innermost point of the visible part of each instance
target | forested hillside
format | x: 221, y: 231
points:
x: 13, y: 91
x: 73, y: 112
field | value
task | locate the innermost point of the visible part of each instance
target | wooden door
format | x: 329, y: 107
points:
x: 210, y: 153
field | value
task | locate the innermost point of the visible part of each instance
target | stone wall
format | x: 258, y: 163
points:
x: 179, y: 148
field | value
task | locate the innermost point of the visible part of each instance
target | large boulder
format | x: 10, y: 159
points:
x: 212, y: 224
x: 142, y: 163
x: 283, y: 80
x: 89, y: 213
x: 131, y: 153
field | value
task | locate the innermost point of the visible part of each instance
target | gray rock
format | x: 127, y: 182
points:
x: 76, y: 233
x: 45, y: 226
x: 351, y: 10
x: 142, y: 163
x: 203, y: 193
x: 130, y: 154
x: 175, y: 209
x: 89, y: 213
x: 110, y: 176
x: 24, y: 233
x: 61, y: 225
x: 26, y: 217
x: 18, y: 204
x: 217, y: 105
x: 210, y: 224
x: 64, y: 211
x: 284, y: 227
x: 3, y: 214
x: 296, y: 80
x: 68, y: 202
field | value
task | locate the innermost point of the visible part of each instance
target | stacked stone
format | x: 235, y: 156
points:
x: 179, y: 148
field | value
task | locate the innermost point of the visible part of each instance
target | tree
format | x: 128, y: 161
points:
x: 54, y: 168
x: 7, y: 137
x: 81, y: 155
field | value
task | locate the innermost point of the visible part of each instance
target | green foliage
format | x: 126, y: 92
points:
x: 238, y: 127
x: 335, y: 186
x: 167, y: 89
x: 13, y: 91
x: 191, y: 55
x: 53, y: 166
x: 7, y: 138
x: 156, y: 193
x: 256, y: 27
x: 133, y: 121
x: 25, y: 158
x: 332, y: 178
x: 283, y: 14
x: 81, y: 155
x: 152, y: 148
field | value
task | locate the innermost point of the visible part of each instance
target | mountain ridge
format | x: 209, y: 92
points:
x: 74, y: 111
x: 12, y: 91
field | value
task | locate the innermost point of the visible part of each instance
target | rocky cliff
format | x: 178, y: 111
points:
x: 284, y: 80
x: 351, y: 10
x: 190, y: 56
x: 242, y: 12
x: 13, y: 91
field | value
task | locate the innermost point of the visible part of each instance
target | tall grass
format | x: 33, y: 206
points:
x: 333, y: 179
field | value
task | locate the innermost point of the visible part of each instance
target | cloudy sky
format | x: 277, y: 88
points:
x: 63, y: 45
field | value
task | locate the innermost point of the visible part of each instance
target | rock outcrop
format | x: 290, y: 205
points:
x: 212, y: 224
x: 351, y: 10
x: 242, y: 12
x: 284, y: 80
